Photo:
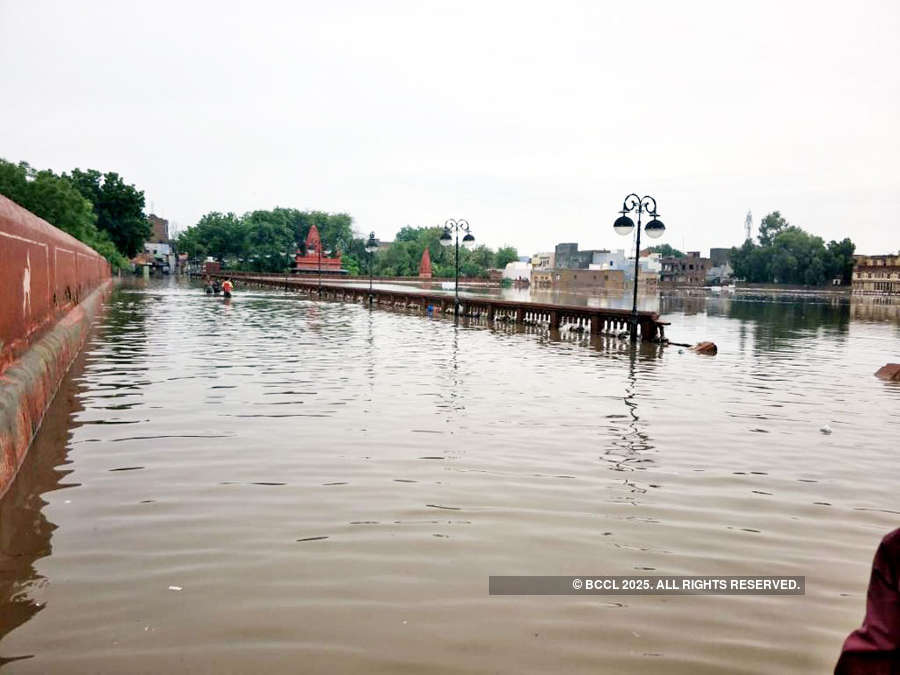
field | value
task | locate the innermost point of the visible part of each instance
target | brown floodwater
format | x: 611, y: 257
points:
x: 330, y: 488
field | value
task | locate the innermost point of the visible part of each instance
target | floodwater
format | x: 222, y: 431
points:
x: 611, y: 299
x: 277, y: 485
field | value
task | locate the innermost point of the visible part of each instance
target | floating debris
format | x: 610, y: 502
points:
x: 890, y: 372
x: 705, y: 348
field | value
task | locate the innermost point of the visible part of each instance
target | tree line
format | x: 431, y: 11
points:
x: 266, y: 241
x: 787, y: 254
x: 403, y: 257
x: 99, y: 209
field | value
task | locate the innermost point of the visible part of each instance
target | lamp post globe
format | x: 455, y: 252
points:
x: 623, y: 225
x: 469, y: 241
x: 372, y: 243
x: 446, y: 237
x: 655, y: 229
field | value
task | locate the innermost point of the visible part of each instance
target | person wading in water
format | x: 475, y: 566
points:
x: 227, y: 287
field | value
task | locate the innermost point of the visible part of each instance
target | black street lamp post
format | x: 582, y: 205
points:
x: 453, y: 225
x: 371, y: 247
x: 624, y: 225
x: 319, y: 251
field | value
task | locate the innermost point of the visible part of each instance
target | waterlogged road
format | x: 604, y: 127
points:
x: 276, y: 485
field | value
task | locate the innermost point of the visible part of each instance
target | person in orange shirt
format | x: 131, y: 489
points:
x: 227, y: 287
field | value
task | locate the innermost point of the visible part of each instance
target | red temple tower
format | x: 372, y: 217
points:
x: 425, y: 265
x: 315, y: 258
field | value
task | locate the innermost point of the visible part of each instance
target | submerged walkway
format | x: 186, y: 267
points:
x: 597, y: 320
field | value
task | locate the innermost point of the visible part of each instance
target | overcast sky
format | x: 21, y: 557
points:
x: 532, y: 120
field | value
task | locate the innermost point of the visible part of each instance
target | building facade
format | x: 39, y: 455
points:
x: 567, y: 256
x: 876, y: 274
x: 157, y: 252
x: 518, y: 271
x: 578, y: 280
x: 649, y: 266
x: 543, y: 260
x: 160, y: 226
x: 687, y: 271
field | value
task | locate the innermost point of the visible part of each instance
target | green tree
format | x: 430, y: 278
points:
x: 841, y: 261
x: 666, y: 251
x: 770, y: 226
x: 119, y: 207
x: 504, y: 255
x: 56, y: 200
x: 49, y: 196
x: 266, y: 240
x: 219, y: 235
x: 788, y: 254
x: 476, y: 263
x: 267, y: 243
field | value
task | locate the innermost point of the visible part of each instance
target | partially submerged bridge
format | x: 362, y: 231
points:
x: 596, y: 320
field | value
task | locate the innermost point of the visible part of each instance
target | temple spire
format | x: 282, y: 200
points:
x: 425, y: 265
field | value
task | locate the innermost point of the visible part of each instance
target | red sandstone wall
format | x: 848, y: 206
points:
x: 44, y: 273
x: 51, y: 288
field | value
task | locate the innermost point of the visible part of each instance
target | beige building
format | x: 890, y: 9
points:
x: 575, y: 280
x: 647, y: 280
x: 876, y: 274
x: 543, y: 260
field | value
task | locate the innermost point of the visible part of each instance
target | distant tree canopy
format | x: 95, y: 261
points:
x: 402, y: 258
x: 505, y: 254
x: 59, y: 201
x: 787, y: 254
x: 119, y: 207
x: 266, y: 241
x: 666, y: 251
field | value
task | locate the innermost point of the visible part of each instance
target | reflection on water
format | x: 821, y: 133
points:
x: 25, y: 531
x: 330, y: 487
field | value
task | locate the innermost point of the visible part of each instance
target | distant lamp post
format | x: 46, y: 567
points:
x: 453, y: 227
x: 371, y: 247
x: 319, y: 251
x: 654, y: 229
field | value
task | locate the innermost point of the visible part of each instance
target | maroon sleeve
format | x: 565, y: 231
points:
x: 874, y: 648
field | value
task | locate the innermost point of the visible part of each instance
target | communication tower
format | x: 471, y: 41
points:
x: 748, y: 226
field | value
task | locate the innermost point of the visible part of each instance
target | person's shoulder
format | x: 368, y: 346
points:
x: 892, y: 540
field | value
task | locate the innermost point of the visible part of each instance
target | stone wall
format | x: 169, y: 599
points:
x: 51, y: 287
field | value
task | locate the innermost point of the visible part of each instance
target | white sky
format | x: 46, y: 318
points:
x: 532, y: 120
